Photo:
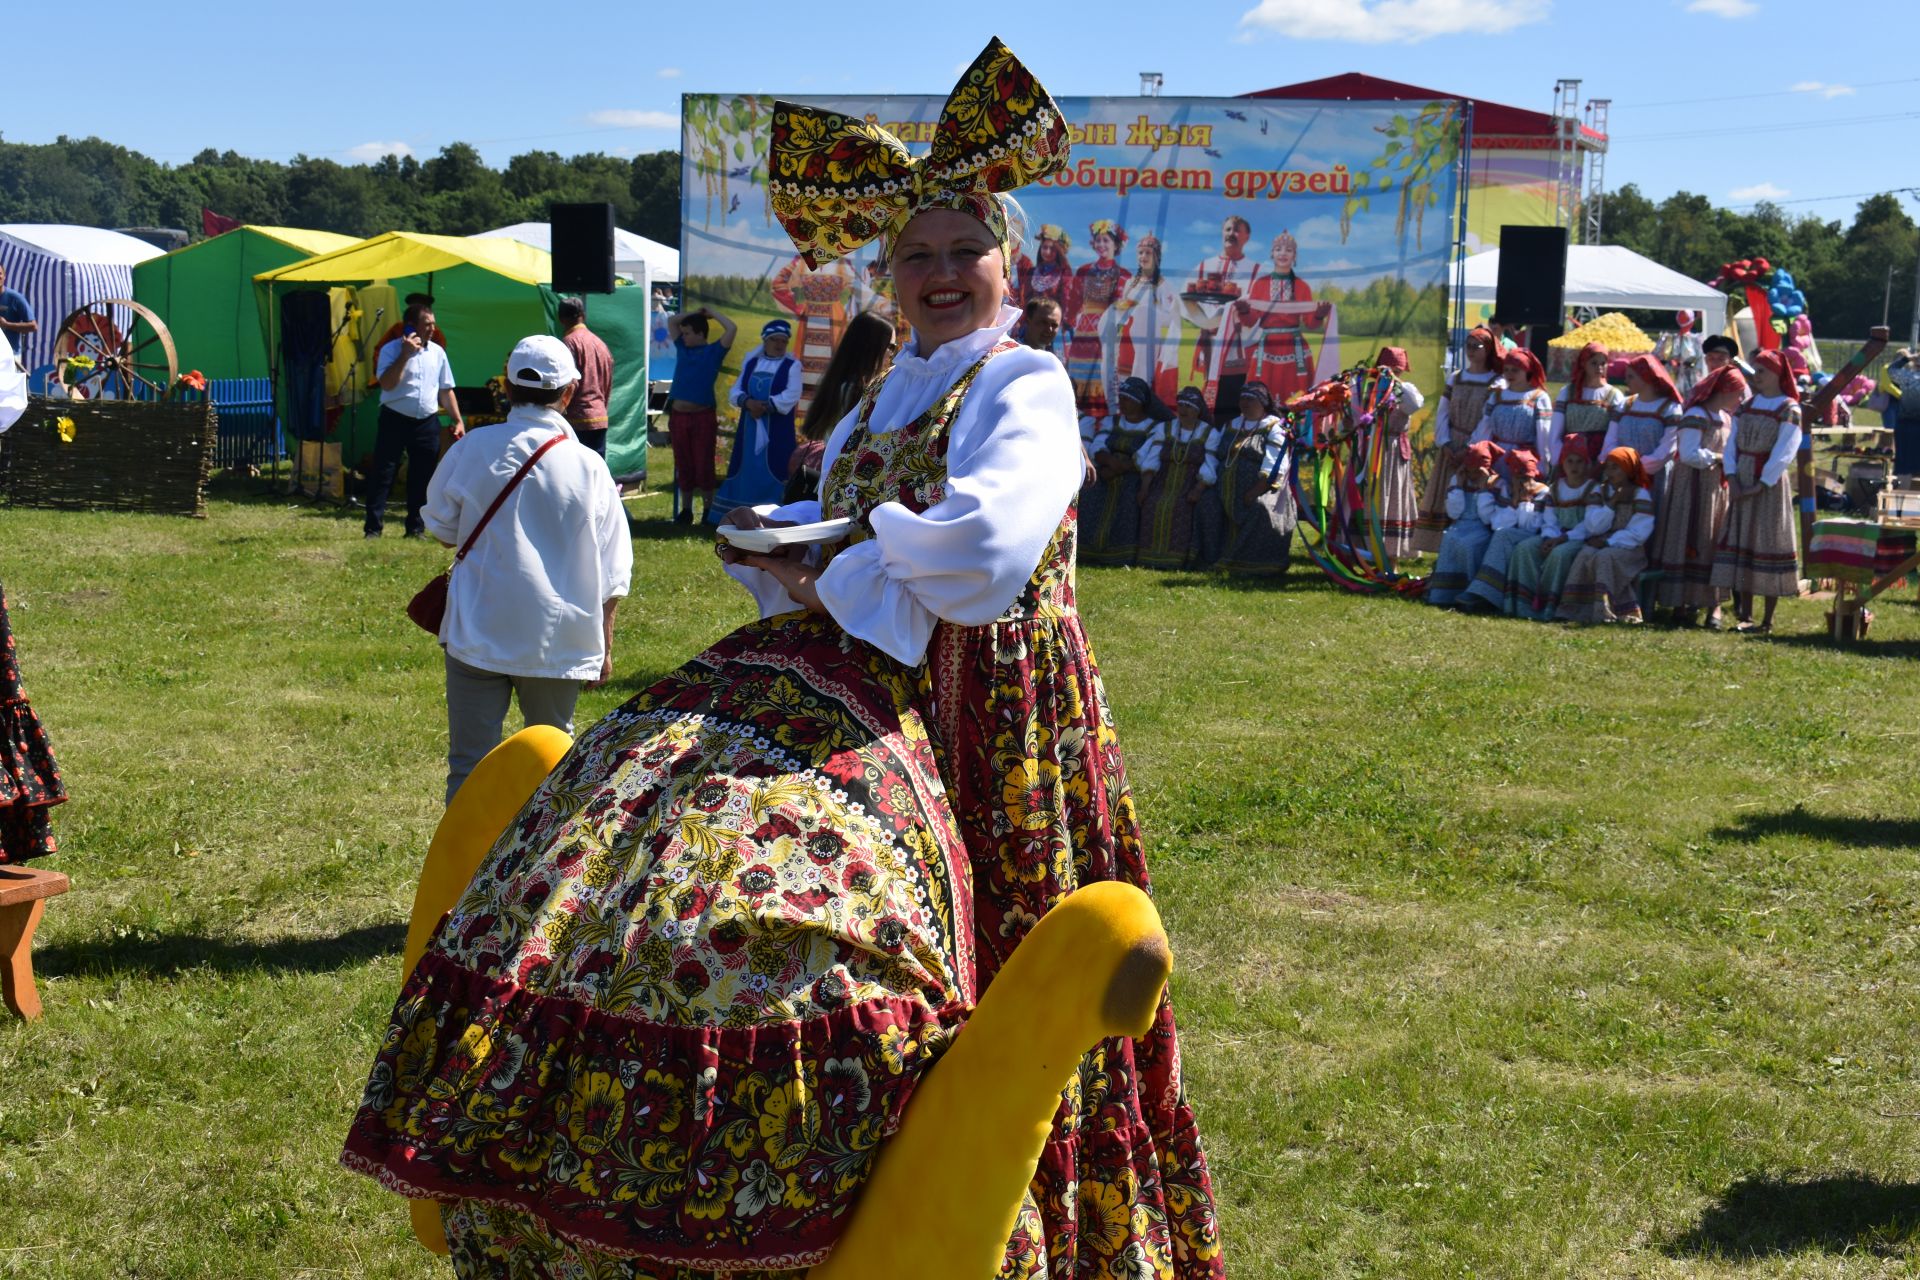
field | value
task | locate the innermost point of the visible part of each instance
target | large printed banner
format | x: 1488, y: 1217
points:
x: 1192, y: 242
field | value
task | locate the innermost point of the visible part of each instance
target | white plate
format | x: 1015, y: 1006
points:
x: 763, y: 540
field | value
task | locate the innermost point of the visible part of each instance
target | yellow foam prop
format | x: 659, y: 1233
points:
x: 945, y: 1194
x: 493, y: 794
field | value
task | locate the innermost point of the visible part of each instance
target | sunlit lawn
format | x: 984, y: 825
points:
x: 1502, y: 950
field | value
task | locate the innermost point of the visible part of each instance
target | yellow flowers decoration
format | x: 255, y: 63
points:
x: 1615, y: 332
x: 64, y: 426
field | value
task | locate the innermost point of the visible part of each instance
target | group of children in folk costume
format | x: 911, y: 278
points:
x: 1169, y: 490
x: 1573, y: 548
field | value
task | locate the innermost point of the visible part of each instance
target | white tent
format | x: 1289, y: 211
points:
x: 629, y: 250
x: 1611, y: 278
x: 61, y: 268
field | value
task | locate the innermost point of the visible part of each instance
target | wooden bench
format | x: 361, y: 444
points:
x: 23, y: 896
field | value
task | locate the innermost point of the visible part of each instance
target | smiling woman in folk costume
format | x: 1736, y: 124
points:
x: 1454, y: 420
x: 1179, y: 464
x: 1097, y: 286
x: 1472, y: 503
x: 1648, y: 422
x: 1141, y: 332
x: 1256, y: 493
x: 1572, y: 511
x: 1275, y: 314
x: 1687, y: 531
x: 1602, y: 582
x: 686, y: 996
x: 1519, y: 413
x: 1110, y: 506
x: 1585, y: 405
x: 1756, y: 555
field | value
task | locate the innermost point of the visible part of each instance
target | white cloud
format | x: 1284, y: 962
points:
x: 636, y: 119
x: 669, y: 73
x: 1759, y: 191
x: 1824, y: 90
x: 1392, y: 21
x: 1725, y: 8
x: 368, y: 152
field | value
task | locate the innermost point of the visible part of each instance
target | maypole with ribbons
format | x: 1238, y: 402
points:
x: 1341, y: 431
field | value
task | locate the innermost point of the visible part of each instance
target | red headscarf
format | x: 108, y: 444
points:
x: 1536, y: 376
x: 1483, y: 334
x: 1391, y: 358
x: 1629, y: 462
x: 1584, y: 443
x: 1522, y: 465
x: 1726, y: 378
x: 1485, y: 454
x: 1578, y: 386
x: 1656, y: 373
x: 1777, y: 361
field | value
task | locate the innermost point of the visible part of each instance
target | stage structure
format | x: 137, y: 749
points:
x: 1525, y: 168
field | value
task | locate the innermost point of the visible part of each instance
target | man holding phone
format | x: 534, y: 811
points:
x: 416, y: 387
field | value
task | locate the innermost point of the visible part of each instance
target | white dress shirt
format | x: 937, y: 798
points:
x: 527, y: 599
x: 1785, y: 445
x: 1013, y: 466
x: 427, y: 374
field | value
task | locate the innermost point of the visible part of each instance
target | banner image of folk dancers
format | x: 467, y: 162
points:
x: 1192, y: 243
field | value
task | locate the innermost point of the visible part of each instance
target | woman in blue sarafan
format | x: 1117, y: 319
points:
x: 766, y: 393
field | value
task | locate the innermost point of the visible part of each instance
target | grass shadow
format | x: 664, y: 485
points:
x: 1868, y: 648
x: 1859, y: 833
x: 169, y: 955
x: 1846, y: 1213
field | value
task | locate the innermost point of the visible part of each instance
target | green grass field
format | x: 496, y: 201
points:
x: 1502, y: 950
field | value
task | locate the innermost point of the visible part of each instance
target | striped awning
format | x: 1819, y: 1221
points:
x: 61, y: 269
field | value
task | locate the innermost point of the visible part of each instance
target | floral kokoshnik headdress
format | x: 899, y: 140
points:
x: 838, y: 183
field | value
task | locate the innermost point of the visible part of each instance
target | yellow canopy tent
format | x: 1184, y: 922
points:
x: 488, y: 294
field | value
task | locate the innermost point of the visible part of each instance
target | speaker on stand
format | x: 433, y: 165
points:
x: 1532, y: 284
x: 581, y: 237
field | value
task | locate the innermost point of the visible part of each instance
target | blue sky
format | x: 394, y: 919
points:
x: 1738, y: 99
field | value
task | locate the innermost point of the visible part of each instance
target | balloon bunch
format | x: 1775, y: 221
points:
x: 1341, y: 444
x: 1771, y: 295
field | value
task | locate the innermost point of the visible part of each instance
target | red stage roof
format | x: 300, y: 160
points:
x: 1491, y: 120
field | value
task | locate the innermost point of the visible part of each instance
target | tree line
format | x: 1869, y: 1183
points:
x: 96, y: 183
x: 1843, y: 270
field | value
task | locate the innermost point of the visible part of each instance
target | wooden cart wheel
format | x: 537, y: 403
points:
x: 125, y: 365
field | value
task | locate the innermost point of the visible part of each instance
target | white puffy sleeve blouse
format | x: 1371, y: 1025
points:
x: 1013, y: 466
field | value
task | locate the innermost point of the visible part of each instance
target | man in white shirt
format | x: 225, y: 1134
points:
x: 416, y: 387
x: 530, y: 607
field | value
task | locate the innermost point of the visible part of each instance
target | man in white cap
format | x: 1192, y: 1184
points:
x: 530, y: 604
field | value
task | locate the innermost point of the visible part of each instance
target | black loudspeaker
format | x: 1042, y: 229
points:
x: 1533, y: 275
x: 582, y: 240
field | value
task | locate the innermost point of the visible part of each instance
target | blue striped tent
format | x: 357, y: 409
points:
x: 60, y: 268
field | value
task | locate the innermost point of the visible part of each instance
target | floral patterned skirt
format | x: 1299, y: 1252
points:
x: 688, y: 993
x: 29, y: 779
x: 1029, y: 753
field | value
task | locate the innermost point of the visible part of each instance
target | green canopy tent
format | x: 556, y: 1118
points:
x: 488, y: 294
x: 204, y: 294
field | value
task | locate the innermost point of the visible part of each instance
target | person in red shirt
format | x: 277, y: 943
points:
x: 587, y: 413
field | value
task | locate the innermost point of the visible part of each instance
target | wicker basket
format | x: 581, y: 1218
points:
x: 123, y: 455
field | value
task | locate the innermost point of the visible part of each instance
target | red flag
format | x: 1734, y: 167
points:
x: 214, y: 224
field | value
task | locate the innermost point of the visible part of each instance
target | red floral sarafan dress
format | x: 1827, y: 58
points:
x: 30, y: 781
x: 684, y: 1000
x: 1027, y: 747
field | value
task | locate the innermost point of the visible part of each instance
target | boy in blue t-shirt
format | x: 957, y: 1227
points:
x: 692, y: 424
